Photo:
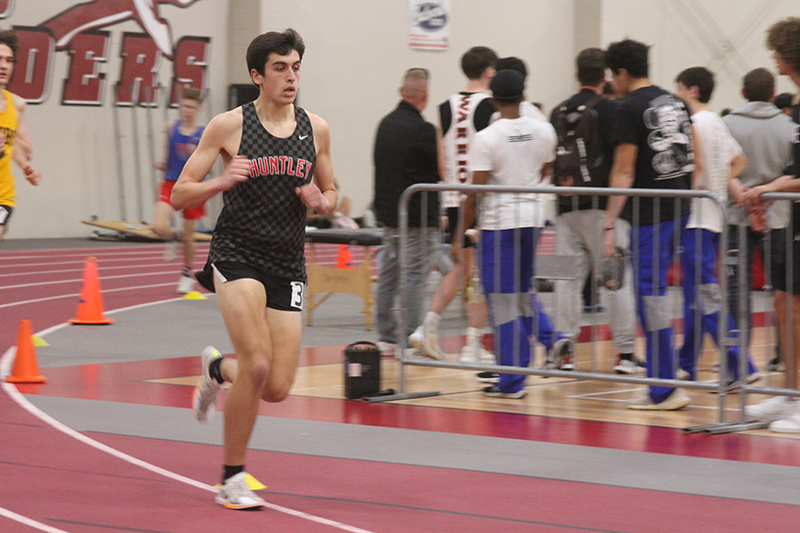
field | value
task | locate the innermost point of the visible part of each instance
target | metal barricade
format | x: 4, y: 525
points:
x: 634, y: 195
x: 785, y: 239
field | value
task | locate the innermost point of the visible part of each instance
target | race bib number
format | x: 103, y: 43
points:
x: 297, y: 295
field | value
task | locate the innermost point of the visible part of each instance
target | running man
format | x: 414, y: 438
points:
x: 15, y: 141
x: 277, y: 163
x: 182, y: 138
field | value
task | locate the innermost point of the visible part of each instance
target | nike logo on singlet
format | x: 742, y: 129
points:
x: 301, y: 137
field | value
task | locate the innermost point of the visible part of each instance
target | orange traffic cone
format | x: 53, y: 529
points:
x: 344, y: 260
x: 25, y: 369
x: 90, y: 306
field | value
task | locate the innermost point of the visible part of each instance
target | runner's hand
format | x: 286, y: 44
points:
x: 32, y: 174
x: 237, y: 171
x: 312, y: 198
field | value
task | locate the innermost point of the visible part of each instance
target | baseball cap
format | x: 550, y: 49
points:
x: 507, y: 85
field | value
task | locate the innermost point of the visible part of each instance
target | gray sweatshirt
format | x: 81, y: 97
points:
x: 765, y: 135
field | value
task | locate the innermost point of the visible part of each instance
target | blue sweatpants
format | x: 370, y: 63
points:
x: 704, y: 296
x: 653, y: 247
x: 506, y: 265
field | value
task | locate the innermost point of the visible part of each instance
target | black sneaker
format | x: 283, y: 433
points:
x: 494, y: 392
x: 776, y: 365
x: 488, y: 377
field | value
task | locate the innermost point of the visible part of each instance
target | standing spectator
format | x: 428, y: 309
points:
x: 764, y: 132
x: 514, y: 150
x: 784, y: 102
x: 460, y: 118
x: 783, y: 38
x: 723, y: 161
x: 654, y: 151
x: 405, y: 154
x: 589, y: 118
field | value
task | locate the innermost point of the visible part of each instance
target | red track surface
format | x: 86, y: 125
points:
x: 50, y: 477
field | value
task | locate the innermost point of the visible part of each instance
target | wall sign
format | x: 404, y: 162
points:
x: 429, y: 24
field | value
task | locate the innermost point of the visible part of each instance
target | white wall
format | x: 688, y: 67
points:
x: 357, y: 51
x: 74, y: 145
x: 726, y: 36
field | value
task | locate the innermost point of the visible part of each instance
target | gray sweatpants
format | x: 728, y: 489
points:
x: 579, y: 234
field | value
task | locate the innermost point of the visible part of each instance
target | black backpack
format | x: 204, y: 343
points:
x: 579, y: 153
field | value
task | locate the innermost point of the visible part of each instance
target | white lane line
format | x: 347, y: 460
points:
x: 102, y: 278
x: 152, y: 258
x: 105, y: 291
x: 29, y: 521
x: 5, y: 367
x: 105, y: 267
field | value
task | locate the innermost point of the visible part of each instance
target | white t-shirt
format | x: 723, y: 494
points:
x: 514, y: 152
x: 719, y: 148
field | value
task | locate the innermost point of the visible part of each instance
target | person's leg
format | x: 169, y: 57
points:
x: 710, y: 304
x: 620, y: 303
x: 691, y: 263
x: 451, y: 283
x: 506, y: 280
x: 568, y: 291
x: 422, y: 246
x: 189, y: 245
x: 387, y: 287
x: 243, y: 306
x: 655, y: 248
x: 541, y: 324
x: 161, y: 222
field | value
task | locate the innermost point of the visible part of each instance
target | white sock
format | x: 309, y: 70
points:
x: 473, y: 336
x: 432, y: 321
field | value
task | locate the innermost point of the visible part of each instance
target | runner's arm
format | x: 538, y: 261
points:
x: 320, y: 195
x: 221, y: 137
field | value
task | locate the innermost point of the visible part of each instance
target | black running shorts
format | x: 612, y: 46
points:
x: 5, y: 214
x: 452, y: 226
x: 282, y: 294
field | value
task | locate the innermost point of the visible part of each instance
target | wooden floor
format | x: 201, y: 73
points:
x: 579, y: 399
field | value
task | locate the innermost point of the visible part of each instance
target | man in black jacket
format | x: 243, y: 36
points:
x: 405, y: 154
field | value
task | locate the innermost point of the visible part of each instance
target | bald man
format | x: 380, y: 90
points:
x: 405, y: 154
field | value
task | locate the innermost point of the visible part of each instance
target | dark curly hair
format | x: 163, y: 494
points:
x: 9, y: 38
x: 784, y: 37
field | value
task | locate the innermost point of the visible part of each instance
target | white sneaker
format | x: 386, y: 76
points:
x: 629, y: 364
x: 787, y: 425
x: 468, y: 355
x: 677, y: 400
x: 487, y: 357
x: 777, y: 408
x: 426, y: 342
x: 185, y: 285
x: 205, y: 394
x: 171, y: 251
x: 387, y: 349
x: 235, y: 494
x: 680, y: 374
